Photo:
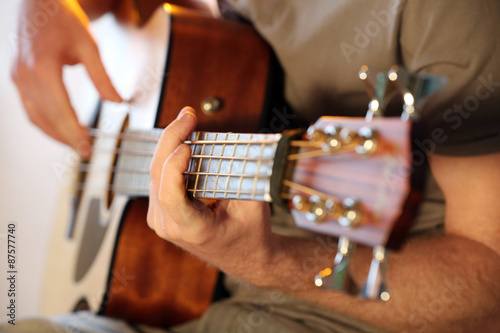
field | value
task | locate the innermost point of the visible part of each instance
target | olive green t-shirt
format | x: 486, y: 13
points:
x: 322, y: 44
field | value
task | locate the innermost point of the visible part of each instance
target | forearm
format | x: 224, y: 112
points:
x: 445, y: 284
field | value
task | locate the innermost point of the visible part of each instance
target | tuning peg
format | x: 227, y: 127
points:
x: 415, y: 88
x: 339, y: 278
x: 329, y: 138
x: 364, y: 141
x: 333, y: 138
x: 315, y: 208
x: 351, y: 213
x: 332, y: 141
x: 376, y: 85
x: 375, y: 286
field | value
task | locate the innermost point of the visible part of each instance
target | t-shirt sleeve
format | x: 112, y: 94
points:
x: 460, y: 40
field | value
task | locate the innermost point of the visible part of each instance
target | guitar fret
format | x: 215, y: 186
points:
x: 220, y: 163
x: 199, y: 165
x: 189, y: 173
x: 209, y: 163
x: 231, y: 167
x: 257, y: 171
x: 244, y: 165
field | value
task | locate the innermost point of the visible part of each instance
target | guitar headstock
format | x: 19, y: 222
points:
x: 352, y: 178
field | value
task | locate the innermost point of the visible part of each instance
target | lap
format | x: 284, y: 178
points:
x: 229, y: 316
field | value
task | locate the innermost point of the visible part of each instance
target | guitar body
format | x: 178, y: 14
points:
x: 103, y: 255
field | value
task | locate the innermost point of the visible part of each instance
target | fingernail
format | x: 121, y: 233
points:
x: 186, y: 112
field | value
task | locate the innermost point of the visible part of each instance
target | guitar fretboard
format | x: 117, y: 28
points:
x: 222, y: 165
x: 231, y: 166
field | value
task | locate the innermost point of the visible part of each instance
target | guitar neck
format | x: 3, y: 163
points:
x: 222, y: 165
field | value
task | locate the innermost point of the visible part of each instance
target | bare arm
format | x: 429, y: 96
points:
x: 440, y: 284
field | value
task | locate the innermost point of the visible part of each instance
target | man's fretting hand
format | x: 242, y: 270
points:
x: 234, y: 230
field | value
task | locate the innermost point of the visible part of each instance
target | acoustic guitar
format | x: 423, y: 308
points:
x: 103, y: 256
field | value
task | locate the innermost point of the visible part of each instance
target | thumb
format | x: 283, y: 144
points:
x: 92, y: 61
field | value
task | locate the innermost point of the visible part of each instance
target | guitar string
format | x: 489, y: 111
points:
x: 96, y: 133
x: 239, y: 192
x: 135, y: 153
x: 86, y: 167
x: 138, y: 190
x: 142, y: 189
x: 146, y: 138
x: 120, y: 151
x: 139, y: 137
x: 295, y: 143
x: 307, y: 190
x: 134, y: 189
x: 316, y: 152
x: 120, y: 189
x: 291, y: 157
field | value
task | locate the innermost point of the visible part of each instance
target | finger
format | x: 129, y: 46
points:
x: 91, y: 59
x: 171, y: 138
x: 33, y: 101
x: 159, y: 220
x: 154, y: 217
x: 60, y: 112
x: 34, y: 87
x: 36, y: 115
x: 172, y: 196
